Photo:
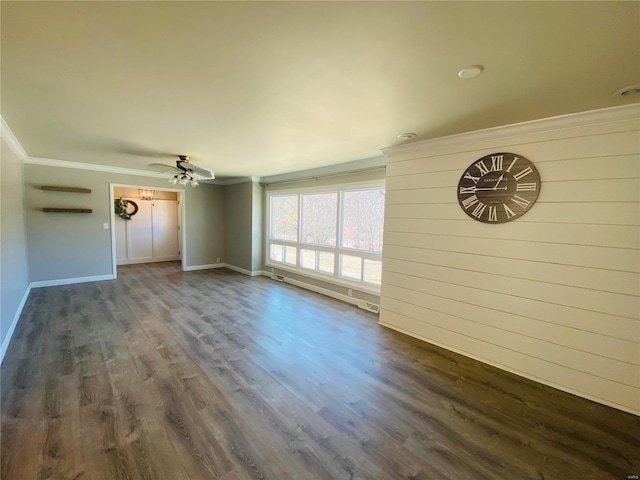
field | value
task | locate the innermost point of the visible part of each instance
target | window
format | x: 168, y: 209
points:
x: 284, y: 217
x: 363, y: 219
x: 334, y: 232
x: 319, y: 219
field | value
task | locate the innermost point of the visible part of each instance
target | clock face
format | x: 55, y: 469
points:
x: 498, y: 188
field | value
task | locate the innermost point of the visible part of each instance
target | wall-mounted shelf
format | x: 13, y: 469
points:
x: 68, y: 210
x: 53, y: 188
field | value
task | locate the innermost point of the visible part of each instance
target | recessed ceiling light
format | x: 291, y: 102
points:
x: 626, y: 92
x: 471, y: 71
x: 406, y: 136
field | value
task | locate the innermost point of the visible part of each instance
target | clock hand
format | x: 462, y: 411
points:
x: 495, y: 187
x: 492, y: 188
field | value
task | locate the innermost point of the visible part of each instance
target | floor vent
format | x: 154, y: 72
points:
x: 371, y: 307
x: 279, y: 278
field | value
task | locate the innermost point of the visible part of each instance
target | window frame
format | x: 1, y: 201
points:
x: 337, y: 250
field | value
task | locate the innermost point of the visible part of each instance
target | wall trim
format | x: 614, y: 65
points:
x: 50, y: 162
x: 97, y: 167
x: 136, y: 261
x: 7, y: 135
x: 571, y: 120
x: 14, y: 324
x: 235, y: 180
x: 71, y: 281
x: 347, y: 168
x: 243, y: 270
x: 514, y: 371
x: 208, y: 266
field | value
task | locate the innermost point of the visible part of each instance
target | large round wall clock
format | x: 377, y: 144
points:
x: 498, y: 188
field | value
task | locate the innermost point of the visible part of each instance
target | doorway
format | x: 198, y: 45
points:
x: 153, y: 233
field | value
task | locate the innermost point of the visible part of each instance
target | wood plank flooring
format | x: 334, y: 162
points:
x: 163, y: 374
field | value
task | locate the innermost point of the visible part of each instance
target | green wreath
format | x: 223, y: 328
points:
x: 122, y: 208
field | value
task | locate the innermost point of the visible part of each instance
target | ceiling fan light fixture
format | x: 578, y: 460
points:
x: 186, y: 173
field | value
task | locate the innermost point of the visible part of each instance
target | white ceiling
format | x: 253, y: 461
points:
x: 262, y: 88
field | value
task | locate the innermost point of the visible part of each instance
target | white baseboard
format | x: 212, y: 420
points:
x: 323, y: 291
x: 71, y: 281
x: 242, y: 270
x: 14, y: 323
x: 135, y: 261
x: 512, y: 370
x: 191, y: 268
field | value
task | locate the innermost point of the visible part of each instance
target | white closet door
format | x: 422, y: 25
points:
x: 121, y: 241
x: 139, y: 232
x: 165, y: 230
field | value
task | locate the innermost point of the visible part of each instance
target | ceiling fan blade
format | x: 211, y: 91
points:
x: 162, y: 168
x: 203, y: 173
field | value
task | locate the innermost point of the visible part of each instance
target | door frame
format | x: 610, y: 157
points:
x: 181, y: 216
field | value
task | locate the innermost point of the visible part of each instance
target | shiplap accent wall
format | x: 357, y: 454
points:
x: 554, y: 295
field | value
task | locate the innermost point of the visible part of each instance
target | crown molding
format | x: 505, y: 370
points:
x: 50, y: 162
x: 234, y: 180
x: 571, y: 120
x: 8, y: 136
x: 331, y: 170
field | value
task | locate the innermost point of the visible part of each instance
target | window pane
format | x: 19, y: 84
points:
x: 319, y: 219
x: 363, y: 219
x: 290, y: 255
x: 308, y: 258
x: 325, y: 262
x: 372, y: 271
x: 351, y: 267
x: 284, y: 218
x: 276, y: 253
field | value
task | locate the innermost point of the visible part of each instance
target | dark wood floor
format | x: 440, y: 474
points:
x: 215, y: 375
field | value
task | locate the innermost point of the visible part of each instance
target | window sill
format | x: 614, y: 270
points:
x: 369, y: 289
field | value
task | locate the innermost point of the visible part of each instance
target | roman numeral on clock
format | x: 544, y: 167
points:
x: 496, y: 162
x: 522, y: 173
x: 510, y: 213
x: 482, y: 167
x: 479, y: 210
x: 493, y: 213
x: 524, y: 203
x: 468, y: 190
x: 512, y: 164
x: 526, y: 187
x: 467, y: 202
x: 468, y: 176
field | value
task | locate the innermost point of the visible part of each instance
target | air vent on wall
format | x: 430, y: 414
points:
x: 371, y: 307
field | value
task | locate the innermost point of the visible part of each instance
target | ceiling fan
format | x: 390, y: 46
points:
x: 185, y: 172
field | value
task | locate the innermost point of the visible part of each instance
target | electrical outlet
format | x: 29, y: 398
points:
x: 218, y: 259
x: 105, y: 226
x: 350, y: 292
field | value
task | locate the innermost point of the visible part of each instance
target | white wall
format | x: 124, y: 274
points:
x: 554, y: 295
x: 14, y: 264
